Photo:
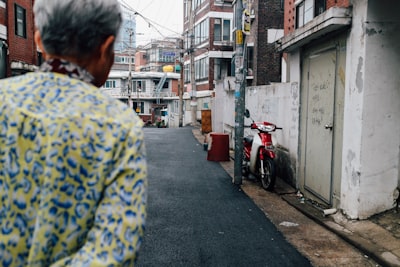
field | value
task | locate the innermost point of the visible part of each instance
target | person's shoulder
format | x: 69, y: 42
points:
x: 14, y: 81
x: 25, y: 81
x: 105, y: 107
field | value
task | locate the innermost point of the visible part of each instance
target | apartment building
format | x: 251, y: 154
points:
x: 18, y: 52
x: 158, y: 54
x: 147, y: 79
x: 208, y: 26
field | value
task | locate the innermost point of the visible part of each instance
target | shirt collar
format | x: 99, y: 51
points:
x: 68, y: 68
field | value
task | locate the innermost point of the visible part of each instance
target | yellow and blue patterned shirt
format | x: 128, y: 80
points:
x: 73, y: 174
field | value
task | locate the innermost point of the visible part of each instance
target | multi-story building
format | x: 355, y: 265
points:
x: 150, y: 92
x: 343, y: 63
x: 18, y: 52
x: 127, y: 34
x: 154, y: 75
x: 208, y: 27
x: 265, y: 19
x: 158, y: 54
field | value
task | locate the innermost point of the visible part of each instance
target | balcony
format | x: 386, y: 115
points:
x: 117, y: 93
x: 332, y: 20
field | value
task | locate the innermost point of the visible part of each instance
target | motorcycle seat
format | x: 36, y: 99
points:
x: 249, y: 139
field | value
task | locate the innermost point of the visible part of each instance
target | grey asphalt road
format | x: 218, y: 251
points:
x: 197, y: 217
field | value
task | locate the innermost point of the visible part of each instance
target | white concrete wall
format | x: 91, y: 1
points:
x: 276, y: 103
x: 223, y: 108
x: 272, y: 103
x: 371, y: 139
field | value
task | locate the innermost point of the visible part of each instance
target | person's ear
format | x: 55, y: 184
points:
x: 102, y: 61
x: 39, y: 44
x: 107, y: 47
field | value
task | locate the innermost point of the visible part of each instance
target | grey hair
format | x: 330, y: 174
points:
x: 76, y: 27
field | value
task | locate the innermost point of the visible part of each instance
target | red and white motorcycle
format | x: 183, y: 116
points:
x: 259, y: 153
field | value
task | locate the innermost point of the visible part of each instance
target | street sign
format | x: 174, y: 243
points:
x: 169, y: 54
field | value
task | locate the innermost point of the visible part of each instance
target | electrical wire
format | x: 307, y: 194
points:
x: 150, y: 22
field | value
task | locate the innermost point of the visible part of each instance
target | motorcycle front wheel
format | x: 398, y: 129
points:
x: 245, y: 167
x: 269, y: 176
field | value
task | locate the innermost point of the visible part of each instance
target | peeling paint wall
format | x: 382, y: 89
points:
x: 372, y: 110
x: 279, y: 104
x: 371, y: 124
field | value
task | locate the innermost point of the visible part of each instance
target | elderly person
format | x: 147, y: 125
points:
x: 72, y: 160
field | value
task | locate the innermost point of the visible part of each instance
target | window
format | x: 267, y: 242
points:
x: 222, y: 30
x: 166, y: 56
x: 300, y: 15
x: 197, y: 3
x: 139, y: 86
x: 185, y: 7
x: 166, y: 85
x: 222, y: 68
x: 201, y: 31
x: 20, y: 21
x: 320, y: 7
x: 201, y: 69
x: 124, y: 59
x: 250, y: 60
x: 3, y: 60
x: 110, y: 84
x: 138, y: 107
x: 306, y: 10
x: 175, y: 107
x: 186, y: 71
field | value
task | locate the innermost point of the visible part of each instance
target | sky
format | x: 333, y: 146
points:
x: 165, y: 17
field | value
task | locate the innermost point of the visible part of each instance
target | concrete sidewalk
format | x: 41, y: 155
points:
x: 377, y: 237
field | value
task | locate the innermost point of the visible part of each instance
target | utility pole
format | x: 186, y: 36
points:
x: 130, y: 69
x: 180, y: 86
x: 180, y: 46
x: 239, y: 94
x: 193, y: 102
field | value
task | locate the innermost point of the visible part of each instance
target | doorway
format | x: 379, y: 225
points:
x: 322, y: 94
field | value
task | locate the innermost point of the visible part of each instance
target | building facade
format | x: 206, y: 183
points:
x: 342, y: 62
x: 18, y: 52
x: 150, y: 92
x: 127, y: 34
x: 148, y: 79
x: 263, y: 61
x: 208, y: 26
x: 158, y: 54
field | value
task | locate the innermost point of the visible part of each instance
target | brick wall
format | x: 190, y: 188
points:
x: 21, y: 49
x: 339, y: 3
x: 267, y: 62
x: 290, y: 16
x: 290, y: 12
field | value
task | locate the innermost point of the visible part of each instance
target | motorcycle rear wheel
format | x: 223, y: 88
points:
x: 269, y: 177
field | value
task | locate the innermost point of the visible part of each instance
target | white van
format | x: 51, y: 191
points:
x: 164, y: 117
